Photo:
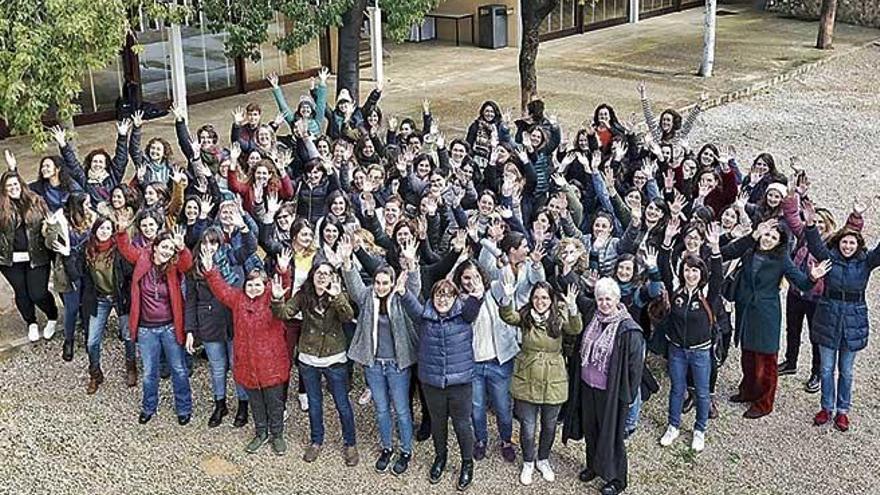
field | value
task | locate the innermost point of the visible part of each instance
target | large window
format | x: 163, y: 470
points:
x: 274, y: 60
x: 206, y: 65
x: 101, y: 88
x: 605, y: 11
x: 563, y: 17
x: 649, y: 6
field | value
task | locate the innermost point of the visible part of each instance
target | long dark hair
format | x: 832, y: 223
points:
x: 29, y: 208
x: 310, y: 297
x: 554, y: 325
x: 76, y: 212
x: 211, y: 234
x: 92, y: 252
x: 63, y: 177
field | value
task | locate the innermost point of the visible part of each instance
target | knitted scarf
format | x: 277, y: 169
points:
x: 598, y: 342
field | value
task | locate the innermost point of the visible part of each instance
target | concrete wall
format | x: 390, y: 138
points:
x: 859, y: 12
x: 446, y: 28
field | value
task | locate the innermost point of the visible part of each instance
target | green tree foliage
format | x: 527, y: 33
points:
x: 46, y: 46
x: 247, y: 22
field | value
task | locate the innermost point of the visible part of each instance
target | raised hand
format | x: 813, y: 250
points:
x: 459, y: 242
x: 323, y: 74
x: 860, y: 206
x: 400, y: 284
x: 273, y: 79
x: 206, y: 205
x: 179, y: 237
x: 178, y: 112
x: 57, y: 133
x: 234, y: 154
x: 137, y: 119
x: 651, y: 257
x: 508, y: 283
x: 570, y: 297
x: 278, y: 289
x: 283, y: 259
x: 335, y: 288
x: 713, y: 234
x: 238, y: 115
x: 61, y: 248
x: 258, y: 192
x: 344, y: 249
x: 426, y: 106
x: 207, y: 258
x: 409, y: 249
x: 819, y: 270
x: 640, y: 87
x: 123, y: 126
x: 765, y: 227
x: 273, y: 204
x: 673, y: 227
x: 537, y: 254
x: 141, y: 172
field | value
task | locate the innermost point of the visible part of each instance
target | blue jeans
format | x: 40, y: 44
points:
x: 699, y: 361
x: 337, y: 379
x: 843, y: 360
x: 152, y: 343
x: 72, y: 308
x: 492, y: 383
x: 390, y: 388
x: 220, y: 361
x: 634, y: 413
x: 97, y: 325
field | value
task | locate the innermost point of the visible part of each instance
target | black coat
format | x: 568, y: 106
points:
x: 624, y: 378
x: 206, y: 317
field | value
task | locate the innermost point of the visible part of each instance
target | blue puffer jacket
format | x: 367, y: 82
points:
x: 446, y: 353
x: 837, y: 320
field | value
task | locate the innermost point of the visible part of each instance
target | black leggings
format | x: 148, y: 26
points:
x: 456, y: 402
x: 31, y: 287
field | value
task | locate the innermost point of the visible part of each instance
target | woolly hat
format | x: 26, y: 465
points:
x: 343, y: 95
x: 779, y: 187
x: 308, y: 101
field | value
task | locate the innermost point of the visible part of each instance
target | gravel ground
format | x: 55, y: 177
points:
x: 55, y: 439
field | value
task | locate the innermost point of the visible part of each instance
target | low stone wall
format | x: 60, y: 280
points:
x: 858, y: 12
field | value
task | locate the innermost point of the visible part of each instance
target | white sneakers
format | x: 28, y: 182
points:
x: 697, y: 444
x: 365, y: 397
x: 699, y: 441
x: 545, y: 470
x: 525, y: 477
x: 49, y: 329
x: 33, y: 332
x: 303, y: 402
x: 669, y: 437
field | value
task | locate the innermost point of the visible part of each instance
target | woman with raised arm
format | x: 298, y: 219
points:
x: 446, y: 369
x: 385, y: 344
x: 765, y: 261
x: 156, y: 319
x: 261, y: 362
x: 101, y: 172
x: 840, y: 325
x: 540, y: 382
x: 24, y: 258
x: 324, y: 309
x: 690, y: 330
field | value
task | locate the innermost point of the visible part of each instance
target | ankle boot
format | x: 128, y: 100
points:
x: 96, y: 377
x: 67, y: 350
x: 465, y: 476
x: 131, y: 372
x: 241, y: 415
x: 219, y: 412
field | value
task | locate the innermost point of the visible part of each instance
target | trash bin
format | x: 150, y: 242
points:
x: 493, y: 26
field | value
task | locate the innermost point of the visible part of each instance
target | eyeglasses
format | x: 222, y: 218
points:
x: 443, y: 294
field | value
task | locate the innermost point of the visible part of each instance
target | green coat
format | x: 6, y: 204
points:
x: 539, y: 374
x: 758, y: 308
x: 321, y: 335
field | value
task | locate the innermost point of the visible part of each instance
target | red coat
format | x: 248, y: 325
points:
x: 284, y: 188
x: 142, y: 259
x: 258, y: 341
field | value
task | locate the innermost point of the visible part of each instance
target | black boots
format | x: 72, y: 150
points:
x: 437, y: 469
x: 67, y: 350
x: 466, y: 475
x: 241, y: 415
x: 131, y: 373
x: 220, y: 411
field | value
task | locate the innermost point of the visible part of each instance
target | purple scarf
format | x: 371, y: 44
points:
x: 597, y: 346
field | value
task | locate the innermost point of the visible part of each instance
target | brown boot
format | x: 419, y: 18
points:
x: 131, y: 373
x: 96, y: 377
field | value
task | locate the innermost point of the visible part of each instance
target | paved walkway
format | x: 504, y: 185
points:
x: 575, y: 74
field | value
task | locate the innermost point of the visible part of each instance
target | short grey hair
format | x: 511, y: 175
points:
x: 607, y: 286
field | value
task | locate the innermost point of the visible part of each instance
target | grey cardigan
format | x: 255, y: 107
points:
x: 364, y: 343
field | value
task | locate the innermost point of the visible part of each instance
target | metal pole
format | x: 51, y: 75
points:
x: 178, y: 72
x: 634, y: 11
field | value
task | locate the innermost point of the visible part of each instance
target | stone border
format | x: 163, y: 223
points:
x: 775, y: 81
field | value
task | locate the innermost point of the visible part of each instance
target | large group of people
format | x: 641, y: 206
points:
x: 520, y: 270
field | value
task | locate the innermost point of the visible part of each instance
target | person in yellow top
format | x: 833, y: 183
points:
x: 540, y: 379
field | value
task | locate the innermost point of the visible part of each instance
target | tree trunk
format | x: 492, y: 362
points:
x: 826, y: 24
x: 348, y: 58
x: 709, y: 39
x: 533, y: 14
